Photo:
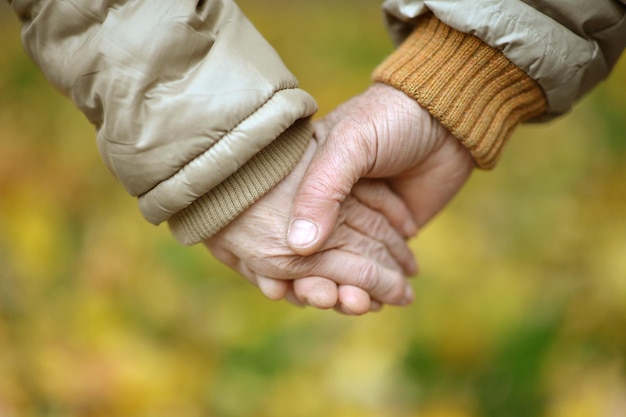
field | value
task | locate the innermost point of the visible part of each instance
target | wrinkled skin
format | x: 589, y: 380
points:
x: 362, y: 265
x: 381, y: 133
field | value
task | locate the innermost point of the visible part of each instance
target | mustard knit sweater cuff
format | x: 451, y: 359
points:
x: 470, y: 87
x: 214, y: 210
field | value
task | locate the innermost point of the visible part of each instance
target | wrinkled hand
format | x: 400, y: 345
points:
x: 366, y: 253
x: 381, y: 133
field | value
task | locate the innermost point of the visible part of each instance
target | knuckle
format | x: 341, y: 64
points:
x: 378, y: 226
x: 367, y: 275
x: 320, y: 184
x: 289, y: 266
x: 292, y: 267
x: 377, y: 251
x: 390, y: 288
x: 324, y: 187
x: 369, y: 222
x: 279, y: 267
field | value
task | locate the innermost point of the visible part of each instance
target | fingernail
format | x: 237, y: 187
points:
x: 302, y: 233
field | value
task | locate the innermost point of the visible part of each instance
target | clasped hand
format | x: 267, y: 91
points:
x: 380, y: 168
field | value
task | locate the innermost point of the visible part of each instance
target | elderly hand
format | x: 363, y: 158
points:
x: 381, y: 133
x: 366, y: 253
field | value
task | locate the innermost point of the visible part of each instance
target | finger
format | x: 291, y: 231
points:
x: 387, y: 285
x: 353, y: 301
x: 378, y: 196
x: 438, y: 181
x: 375, y: 306
x: 384, y: 240
x: 317, y: 292
x: 224, y: 256
x: 272, y: 288
x: 349, y: 239
x: 292, y: 298
x: 335, y: 168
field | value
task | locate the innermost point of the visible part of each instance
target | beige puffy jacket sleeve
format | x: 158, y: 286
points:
x: 483, y: 66
x: 195, y: 113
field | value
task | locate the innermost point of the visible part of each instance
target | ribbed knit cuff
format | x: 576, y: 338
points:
x: 214, y: 210
x: 470, y: 87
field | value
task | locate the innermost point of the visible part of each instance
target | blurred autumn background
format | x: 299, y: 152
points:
x: 521, y: 299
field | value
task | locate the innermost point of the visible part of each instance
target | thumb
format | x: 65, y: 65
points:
x: 335, y: 168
